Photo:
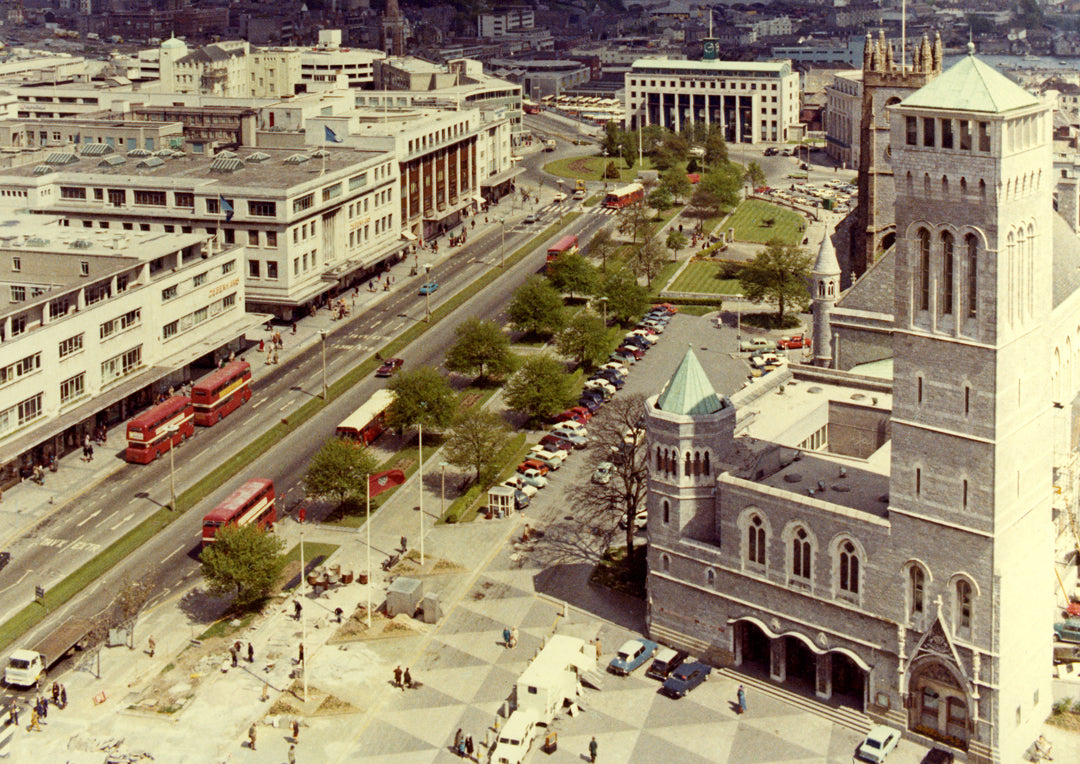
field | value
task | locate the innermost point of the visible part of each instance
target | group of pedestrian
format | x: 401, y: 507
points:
x: 510, y: 637
x: 59, y: 695
x: 402, y: 679
x: 236, y: 651
x: 463, y: 745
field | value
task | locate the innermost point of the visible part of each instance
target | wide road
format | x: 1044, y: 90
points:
x: 135, y: 492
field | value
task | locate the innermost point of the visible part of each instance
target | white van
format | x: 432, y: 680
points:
x: 515, y: 738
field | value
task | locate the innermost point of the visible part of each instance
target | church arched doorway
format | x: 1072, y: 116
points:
x: 848, y: 681
x: 755, y: 646
x: 939, y: 704
x: 800, y: 664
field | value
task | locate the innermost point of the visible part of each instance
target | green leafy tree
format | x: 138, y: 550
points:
x: 536, y: 308
x: 677, y: 146
x: 243, y: 562
x: 647, y: 260
x: 422, y: 396
x: 584, y: 339
x: 704, y: 203
x: 630, y: 150
x: 755, y: 176
x: 626, y: 298
x: 613, y: 139
x: 611, y: 171
x: 602, y: 245
x: 474, y: 442
x: 338, y: 469
x: 572, y: 273
x: 540, y: 388
x: 724, y: 181
x: 716, y: 151
x: 633, y: 220
x: 661, y: 199
x: 778, y: 274
x: 676, y: 240
x: 675, y: 182
x: 652, y: 136
x: 481, y: 348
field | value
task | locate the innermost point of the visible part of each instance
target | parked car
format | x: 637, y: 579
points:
x: 641, y: 518
x: 609, y: 376
x: 1067, y: 630
x: 636, y: 352
x: 632, y: 655
x: 429, y: 288
x: 515, y: 738
x: 552, y: 459
x: 938, y: 756
x: 532, y: 464
x: 519, y: 483
x: 559, y: 197
x: 600, y: 384
x: 574, y: 438
x: 532, y: 476
x: 531, y: 218
x: 772, y: 151
x: 794, y: 342
x: 636, y: 340
x: 652, y: 339
x: 591, y: 402
x: 756, y: 345
x: 685, y: 678
x: 617, y: 366
x: 571, y: 425
x: 556, y: 443
x: 670, y: 308
x: 389, y: 367
x: 578, y: 414
x: 602, y: 474
x: 666, y: 661
x: 879, y: 743
x: 651, y: 323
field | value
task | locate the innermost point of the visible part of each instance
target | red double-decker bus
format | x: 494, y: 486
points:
x: 221, y: 392
x: 253, y: 502
x: 148, y: 433
x: 625, y: 196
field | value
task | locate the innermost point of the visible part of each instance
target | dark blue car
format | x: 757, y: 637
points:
x: 685, y: 678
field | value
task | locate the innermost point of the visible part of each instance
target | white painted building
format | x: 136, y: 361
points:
x: 753, y: 101
x: 504, y: 22
x: 843, y: 111
x: 96, y: 323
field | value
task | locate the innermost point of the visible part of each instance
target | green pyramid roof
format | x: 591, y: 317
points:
x: 971, y: 85
x: 689, y: 391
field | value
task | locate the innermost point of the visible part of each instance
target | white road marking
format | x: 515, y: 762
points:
x: 87, y: 519
x: 122, y: 522
x: 174, y: 552
x: 260, y: 402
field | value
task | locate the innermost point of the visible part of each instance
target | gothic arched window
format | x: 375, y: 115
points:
x: 923, y: 275
x: 971, y: 244
x: 800, y: 555
x: 916, y: 590
x: 755, y: 541
x: 948, y: 268
x: 849, y: 568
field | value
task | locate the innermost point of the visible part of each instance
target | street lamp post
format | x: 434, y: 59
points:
x: 603, y: 307
x: 442, y: 489
x: 322, y: 336
x: 172, y: 429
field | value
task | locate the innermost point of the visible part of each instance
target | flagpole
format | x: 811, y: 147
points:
x: 303, y: 616
x: 421, y: 457
x: 367, y: 522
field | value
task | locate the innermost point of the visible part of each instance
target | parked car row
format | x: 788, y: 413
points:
x: 678, y: 676
x: 611, y: 376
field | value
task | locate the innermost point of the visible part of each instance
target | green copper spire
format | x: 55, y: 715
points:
x: 689, y: 391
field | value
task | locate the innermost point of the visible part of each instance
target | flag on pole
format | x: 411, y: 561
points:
x: 383, y: 480
x: 226, y: 208
x: 332, y: 136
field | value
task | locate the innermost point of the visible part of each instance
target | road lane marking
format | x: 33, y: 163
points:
x: 174, y: 552
x: 122, y: 522
x: 87, y: 519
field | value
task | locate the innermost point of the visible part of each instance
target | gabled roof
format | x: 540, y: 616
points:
x: 689, y: 391
x: 971, y: 85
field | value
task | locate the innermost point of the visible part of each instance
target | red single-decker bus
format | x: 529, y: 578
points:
x: 625, y: 196
x: 253, y: 502
x: 563, y: 245
x: 221, y: 392
x: 148, y: 433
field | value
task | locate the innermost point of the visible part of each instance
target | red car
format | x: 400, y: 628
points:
x: 532, y: 464
x: 576, y: 414
x: 389, y: 367
x: 667, y: 307
x: 794, y: 342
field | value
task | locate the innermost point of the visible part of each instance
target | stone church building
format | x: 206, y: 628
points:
x: 879, y: 529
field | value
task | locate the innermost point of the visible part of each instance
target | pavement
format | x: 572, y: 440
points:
x: 187, y: 703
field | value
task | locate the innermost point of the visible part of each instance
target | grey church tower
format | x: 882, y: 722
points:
x: 826, y: 285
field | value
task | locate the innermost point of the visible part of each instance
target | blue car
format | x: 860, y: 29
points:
x: 632, y: 655
x: 429, y: 288
x: 685, y: 678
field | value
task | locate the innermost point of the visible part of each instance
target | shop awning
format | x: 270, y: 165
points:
x: 501, y: 177
x: 408, y: 235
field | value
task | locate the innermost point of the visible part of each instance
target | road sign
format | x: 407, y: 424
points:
x: 39, y: 592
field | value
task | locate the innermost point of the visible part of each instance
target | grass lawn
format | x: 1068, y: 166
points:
x: 592, y: 168
x: 702, y: 276
x: 749, y: 223
x: 466, y: 507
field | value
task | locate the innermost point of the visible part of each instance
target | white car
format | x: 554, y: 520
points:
x: 521, y: 485
x: 602, y: 474
x: 560, y: 197
x: 533, y: 477
x: 879, y: 743
x: 553, y: 459
x: 601, y: 384
x: 619, y: 367
x: 652, y: 339
x: 571, y: 426
x: 515, y: 738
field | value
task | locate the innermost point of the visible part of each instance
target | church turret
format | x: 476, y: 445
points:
x: 938, y: 52
x: 868, y: 53
x: 826, y: 284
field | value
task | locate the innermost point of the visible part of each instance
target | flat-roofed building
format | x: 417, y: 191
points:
x: 843, y: 112
x: 752, y: 101
x: 96, y: 324
x: 311, y: 220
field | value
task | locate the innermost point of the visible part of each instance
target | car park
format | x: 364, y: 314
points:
x: 685, y: 678
x: 532, y: 476
x: 532, y: 464
x: 389, y: 367
x: 602, y: 474
x: 429, y: 288
x: 552, y: 459
x: 531, y: 218
x: 632, y: 655
x: 666, y: 661
x: 575, y: 439
x: 878, y: 744
x: 555, y: 443
x: 1067, y: 630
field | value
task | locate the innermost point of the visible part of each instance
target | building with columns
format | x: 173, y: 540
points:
x: 754, y: 102
x: 885, y: 538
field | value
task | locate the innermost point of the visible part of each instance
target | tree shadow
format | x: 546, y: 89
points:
x: 202, y: 607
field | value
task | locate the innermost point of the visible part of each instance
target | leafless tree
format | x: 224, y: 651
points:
x: 616, y: 437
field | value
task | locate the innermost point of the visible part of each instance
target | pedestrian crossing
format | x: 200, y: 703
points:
x: 561, y: 207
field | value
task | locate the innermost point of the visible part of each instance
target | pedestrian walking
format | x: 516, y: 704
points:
x: 251, y: 653
x: 151, y: 645
x: 469, y: 747
x: 407, y: 678
x: 297, y: 609
x: 13, y: 713
x: 513, y: 637
x: 90, y: 453
x: 404, y: 544
x: 742, y: 699
x: 592, y: 749
x: 34, y: 719
x: 63, y: 697
x: 458, y: 739
x: 301, y: 660
x: 292, y: 754
x: 232, y: 655
x: 397, y: 676
x: 506, y: 637
x: 251, y: 736
x: 55, y: 694
x: 296, y: 730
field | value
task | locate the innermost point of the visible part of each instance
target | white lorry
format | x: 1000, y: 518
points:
x: 26, y: 668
